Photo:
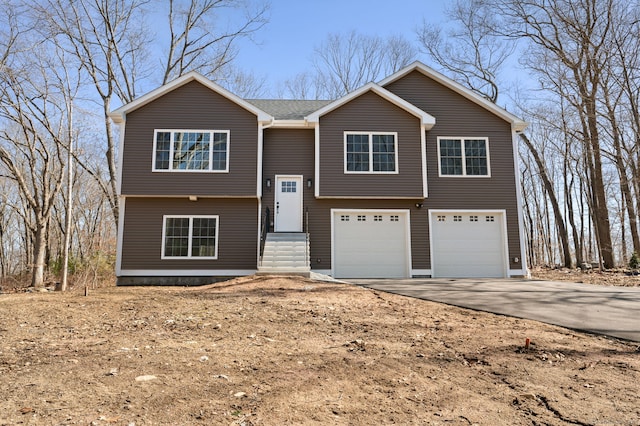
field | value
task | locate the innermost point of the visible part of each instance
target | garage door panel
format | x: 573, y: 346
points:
x: 468, y: 244
x: 370, y: 245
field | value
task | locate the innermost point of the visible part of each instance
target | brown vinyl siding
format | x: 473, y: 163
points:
x: 289, y: 151
x: 457, y: 116
x: 142, y: 233
x: 192, y: 106
x: 370, y: 113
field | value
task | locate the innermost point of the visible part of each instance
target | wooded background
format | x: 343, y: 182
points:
x: 65, y: 64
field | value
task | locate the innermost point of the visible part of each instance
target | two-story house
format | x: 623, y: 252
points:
x: 412, y: 176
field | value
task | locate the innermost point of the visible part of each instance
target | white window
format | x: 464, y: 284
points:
x: 463, y: 157
x: 191, y: 150
x: 190, y: 237
x: 370, y: 152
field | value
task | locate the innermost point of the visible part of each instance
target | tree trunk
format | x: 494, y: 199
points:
x: 557, y: 212
x: 39, y: 254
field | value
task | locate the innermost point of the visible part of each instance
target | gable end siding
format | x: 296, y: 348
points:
x: 192, y: 106
x: 370, y: 113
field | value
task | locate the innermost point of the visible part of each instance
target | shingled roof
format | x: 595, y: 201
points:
x: 287, y: 109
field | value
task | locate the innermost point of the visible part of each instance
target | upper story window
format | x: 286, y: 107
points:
x: 370, y: 152
x: 463, y: 157
x: 191, y: 150
x: 190, y: 237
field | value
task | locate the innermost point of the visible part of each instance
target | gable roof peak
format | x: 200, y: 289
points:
x: 119, y: 115
x: 517, y: 123
x: 426, y: 119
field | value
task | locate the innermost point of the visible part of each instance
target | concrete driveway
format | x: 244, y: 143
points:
x: 611, y: 311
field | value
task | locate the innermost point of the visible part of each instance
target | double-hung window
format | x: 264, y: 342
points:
x: 463, y: 157
x: 191, y: 150
x: 369, y: 152
x: 190, y: 237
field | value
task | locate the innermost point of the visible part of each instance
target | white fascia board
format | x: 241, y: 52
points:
x: 118, y: 115
x: 120, y: 232
x: 427, y: 120
x: 518, y: 124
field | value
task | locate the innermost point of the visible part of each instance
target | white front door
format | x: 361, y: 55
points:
x: 288, y: 208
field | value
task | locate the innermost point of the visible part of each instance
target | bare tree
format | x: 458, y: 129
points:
x: 244, y: 84
x: 572, y: 41
x: 469, y: 50
x: 109, y: 41
x: 33, y: 147
x: 345, y: 62
x: 551, y: 195
x: 199, y: 42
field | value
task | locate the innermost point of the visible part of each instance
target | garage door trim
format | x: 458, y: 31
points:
x: 501, y: 213
x: 405, y: 212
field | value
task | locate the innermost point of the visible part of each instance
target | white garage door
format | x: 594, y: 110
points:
x: 371, y: 244
x: 468, y: 244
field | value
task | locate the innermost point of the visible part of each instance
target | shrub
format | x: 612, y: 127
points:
x: 634, y: 262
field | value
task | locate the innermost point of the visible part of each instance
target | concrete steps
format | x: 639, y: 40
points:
x: 285, y: 253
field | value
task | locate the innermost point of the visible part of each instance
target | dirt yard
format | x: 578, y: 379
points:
x: 276, y: 351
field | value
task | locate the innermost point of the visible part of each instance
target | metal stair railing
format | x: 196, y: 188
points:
x: 266, y: 228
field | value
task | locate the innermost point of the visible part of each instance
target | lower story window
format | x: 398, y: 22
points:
x: 190, y: 237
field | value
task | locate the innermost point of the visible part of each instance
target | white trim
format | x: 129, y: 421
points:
x: 190, y: 217
x: 118, y: 115
x: 120, y: 240
x: 366, y: 197
x: 172, y: 133
x: 426, y: 119
x: 185, y: 272
x: 521, y: 232
x: 200, y: 197
x: 370, y: 138
x: 292, y: 124
x: 423, y: 153
x: 420, y: 272
x: 120, y: 159
x: 519, y: 273
x: 405, y: 212
x: 260, y: 159
x: 464, y: 156
x: 505, y: 239
x: 316, y: 172
x: 517, y: 123
x: 259, y: 232
x: 300, y: 191
x: 326, y: 272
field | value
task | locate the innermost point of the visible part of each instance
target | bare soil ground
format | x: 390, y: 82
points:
x: 617, y: 277
x: 281, y: 350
